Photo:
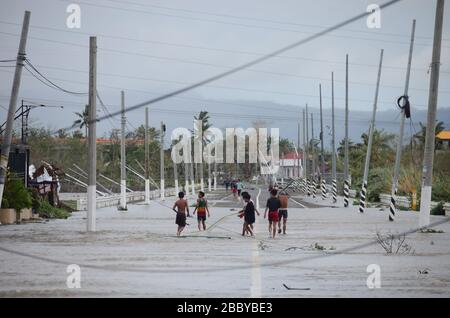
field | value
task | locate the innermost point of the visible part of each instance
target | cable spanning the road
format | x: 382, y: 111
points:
x: 187, y: 46
x: 127, y: 9
x: 251, y: 63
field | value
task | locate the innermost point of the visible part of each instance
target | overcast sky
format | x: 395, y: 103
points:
x: 148, y: 48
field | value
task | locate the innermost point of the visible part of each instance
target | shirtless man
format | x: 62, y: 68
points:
x: 181, y: 207
x: 282, y: 211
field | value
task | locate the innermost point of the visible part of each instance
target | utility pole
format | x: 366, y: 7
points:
x: 427, y: 172
x: 313, y: 155
x: 92, y: 153
x: 362, y: 202
x: 313, y: 164
x: 333, y: 144
x: 163, y: 129
x: 392, y: 207
x: 346, y: 167
x: 191, y: 166
x: 186, y: 178
x: 209, y: 174
x: 7, y: 140
x: 298, y: 149
x: 123, y: 173
x: 175, y: 177
x: 305, y: 150
x: 215, y: 174
x: 147, y: 168
x: 307, y: 138
x: 322, y: 155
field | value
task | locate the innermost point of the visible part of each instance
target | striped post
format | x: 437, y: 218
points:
x: 314, y: 188
x: 298, y: 185
x: 346, y: 192
x: 392, y: 208
x: 334, y: 186
x: 362, y: 200
x: 324, y: 189
x: 304, y: 186
x: 308, y: 185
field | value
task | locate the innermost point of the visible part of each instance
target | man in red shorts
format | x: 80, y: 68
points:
x: 273, y: 204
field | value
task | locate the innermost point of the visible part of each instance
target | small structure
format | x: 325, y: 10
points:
x: 444, y: 138
x: 46, y: 180
x: 289, y: 165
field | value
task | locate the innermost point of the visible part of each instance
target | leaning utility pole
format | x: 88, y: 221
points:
x: 333, y: 145
x: 347, y: 181
x: 123, y: 173
x: 162, y: 131
x: 6, y: 144
x: 403, y: 113
x: 92, y: 152
x: 362, y: 201
x: 427, y: 172
x: 147, y: 168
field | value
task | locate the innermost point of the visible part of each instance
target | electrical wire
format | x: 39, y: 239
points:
x: 27, y: 61
x: 241, y: 24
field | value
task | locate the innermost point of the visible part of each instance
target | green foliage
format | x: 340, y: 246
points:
x: 438, y: 209
x: 441, y: 188
x: 16, y: 196
x: 46, y: 210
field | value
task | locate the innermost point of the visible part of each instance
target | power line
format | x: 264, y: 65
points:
x: 268, y: 72
x: 27, y: 61
x: 229, y: 88
x: 204, y: 63
x: 261, y: 20
x: 236, y: 24
x: 194, y: 47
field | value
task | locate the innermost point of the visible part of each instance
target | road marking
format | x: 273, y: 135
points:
x: 257, y: 199
x: 298, y: 203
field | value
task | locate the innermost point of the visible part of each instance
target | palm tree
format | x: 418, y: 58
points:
x: 419, y: 137
x: 204, y: 117
x: 341, y: 148
x: 82, y: 121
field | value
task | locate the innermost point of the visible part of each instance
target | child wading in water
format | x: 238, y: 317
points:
x: 181, y: 207
x: 273, y: 204
x: 201, y: 207
x: 249, y: 214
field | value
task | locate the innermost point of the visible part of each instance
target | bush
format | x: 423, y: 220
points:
x: 438, y: 209
x: 441, y: 188
x: 16, y: 196
x: 46, y: 210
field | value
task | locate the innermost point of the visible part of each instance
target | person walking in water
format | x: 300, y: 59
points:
x: 201, y: 208
x: 181, y: 207
x: 283, y: 211
x: 272, y: 206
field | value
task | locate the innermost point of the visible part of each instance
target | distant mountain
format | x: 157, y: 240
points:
x: 239, y: 113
